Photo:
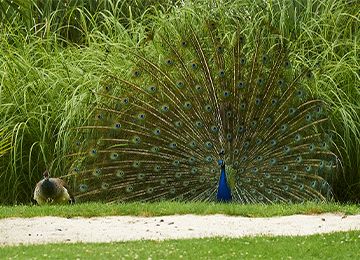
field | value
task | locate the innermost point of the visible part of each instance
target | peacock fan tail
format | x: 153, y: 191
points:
x: 211, y: 115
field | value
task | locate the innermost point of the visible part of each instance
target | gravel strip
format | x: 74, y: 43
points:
x: 40, y: 230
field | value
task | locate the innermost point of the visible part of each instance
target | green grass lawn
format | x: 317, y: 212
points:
x: 341, y: 245
x: 170, y: 208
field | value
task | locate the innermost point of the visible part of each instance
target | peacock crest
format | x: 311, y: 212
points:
x: 208, y: 113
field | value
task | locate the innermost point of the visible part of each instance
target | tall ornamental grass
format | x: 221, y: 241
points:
x: 53, y: 57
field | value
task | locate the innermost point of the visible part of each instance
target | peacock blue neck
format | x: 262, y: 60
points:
x: 224, y: 192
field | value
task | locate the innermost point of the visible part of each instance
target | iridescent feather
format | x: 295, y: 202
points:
x: 207, y: 101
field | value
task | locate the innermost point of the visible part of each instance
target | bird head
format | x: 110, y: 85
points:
x: 221, y: 162
x: 46, y: 174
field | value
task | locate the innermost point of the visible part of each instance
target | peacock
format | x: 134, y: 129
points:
x: 52, y: 190
x: 207, y: 112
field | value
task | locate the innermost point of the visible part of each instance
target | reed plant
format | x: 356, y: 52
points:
x: 54, y: 54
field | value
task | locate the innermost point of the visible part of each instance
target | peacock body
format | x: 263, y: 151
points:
x: 207, y: 114
x: 52, y: 190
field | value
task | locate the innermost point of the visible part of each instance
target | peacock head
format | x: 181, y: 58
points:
x: 46, y: 174
x: 221, y: 162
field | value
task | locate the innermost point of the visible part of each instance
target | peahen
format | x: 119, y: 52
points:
x: 52, y: 190
x: 207, y: 114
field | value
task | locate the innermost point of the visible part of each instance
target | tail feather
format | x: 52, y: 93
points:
x: 200, y: 92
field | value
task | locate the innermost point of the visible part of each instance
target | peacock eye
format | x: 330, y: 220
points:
x: 83, y: 187
x: 152, y: 89
x: 136, y: 140
x: 308, y: 117
x: 169, y: 61
x: 199, y: 88
x: 273, y: 161
x: 240, y: 84
x: 173, y: 145
x: 178, y: 124
x: 209, y: 159
x: 287, y: 149
x: 114, y: 156
x: 192, y: 144
x: 297, y: 137
x: 180, y: 84
x: 119, y: 173
x: 226, y: 93
x: 194, y: 66
x: 264, y: 59
x: 208, y: 108
x: 241, y: 129
x: 273, y: 142
x: 136, y: 164
x: 311, y: 147
x: 97, y: 172
x: 155, y: 149
x: 260, y: 81
x: 215, y: 129
x: 283, y: 127
x: 258, y: 140
x: 136, y: 73
x: 176, y: 163
x: 165, y: 108
x: 199, y: 124
x: 157, y: 131
x: 292, y: 111
x: 318, y: 109
x: 208, y: 145
x: 141, y: 116
x: 187, y: 105
x: 253, y: 123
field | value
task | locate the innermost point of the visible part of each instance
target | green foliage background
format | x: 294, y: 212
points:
x: 54, y: 53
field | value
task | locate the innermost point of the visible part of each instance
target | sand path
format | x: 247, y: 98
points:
x: 14, y: 231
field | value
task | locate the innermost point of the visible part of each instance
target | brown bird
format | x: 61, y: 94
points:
x: 52, y: 190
